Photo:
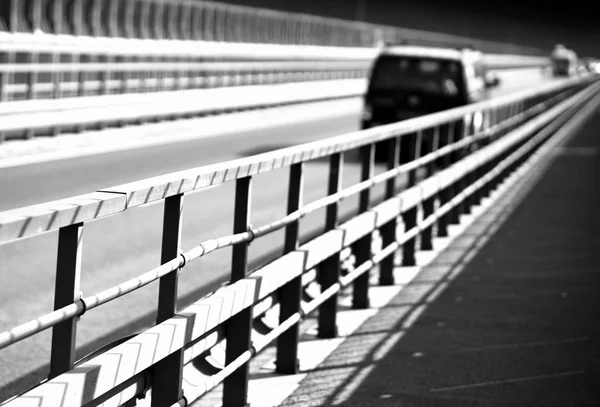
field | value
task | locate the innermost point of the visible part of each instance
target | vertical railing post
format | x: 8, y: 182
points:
x: 105, y: 75
x: 5, y: 58
x: 457, y: 210
x: 329, y: 272
x: 15, y: 19
x: 410, y: 216
x: 168, y: 373
x: 290, y: 295
x: 57, y: 77
x: 6, y: 79
x: 32, y: 76
x: 239, y: 327
x: 66, y: 292
x: 429, y: 203
x: 445, y: 193
x: 479, y: 171
x: 37, y: 15
x: 82, y: 76
x: 360, y: 297
x: 388, y: 231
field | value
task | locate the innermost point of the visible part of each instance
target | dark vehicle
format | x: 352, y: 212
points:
x: 412, y: 81
x: 564, y: 62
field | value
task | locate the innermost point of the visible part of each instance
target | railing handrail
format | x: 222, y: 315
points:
x: 129, y: 47
x: 208, y: 66
x: 133, y: 47
x: 35, y: 219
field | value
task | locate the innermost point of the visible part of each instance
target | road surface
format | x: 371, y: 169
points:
x: 121, y: 247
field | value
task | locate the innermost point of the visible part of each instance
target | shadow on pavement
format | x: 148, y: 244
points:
x: 516, y: 327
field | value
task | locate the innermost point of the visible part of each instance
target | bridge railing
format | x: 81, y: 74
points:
x: 442, y: 165
x: 48, y: 66
x: 209, y: 78
x: 41, y: 67
x: 208, y: 21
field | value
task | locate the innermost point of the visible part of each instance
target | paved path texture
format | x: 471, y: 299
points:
x: 518, y: 326
x: 506, y: 315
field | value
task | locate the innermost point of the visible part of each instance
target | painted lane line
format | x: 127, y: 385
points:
x: 510, y: 381
x: 522, y: 345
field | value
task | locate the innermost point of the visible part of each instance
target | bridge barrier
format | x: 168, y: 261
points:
x: 215, y: 78
x: 208, y: 21
x: 152, y: 363
x: 49, y: 66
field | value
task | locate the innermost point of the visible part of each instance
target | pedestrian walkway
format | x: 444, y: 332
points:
x: 502, y: 313
x: 509, y: 321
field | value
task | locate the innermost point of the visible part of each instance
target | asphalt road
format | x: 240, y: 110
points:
x: 122, y: 247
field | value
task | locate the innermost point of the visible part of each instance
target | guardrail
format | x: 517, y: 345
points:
x: 50, y: 66
x: 218, y: 78
x: 56, y: 67
x: 208, y: 21
x: 457, y: 176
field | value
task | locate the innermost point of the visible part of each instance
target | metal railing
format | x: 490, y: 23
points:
x: 208, y: 21
x: 42, y: 67
x: 57, y: 67
x: 465, y: 153
x: 208, y: 78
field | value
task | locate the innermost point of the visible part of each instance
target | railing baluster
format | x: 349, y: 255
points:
x: 360, y: 297
x: 37, y: 14
x: 66, y: 292
x: 239, y: 327
x: 168, y: 373
x: 290, y: 295
x: 462, y: 207
x: 82, y: 76
x: 129, y: 19
x: 388, y: 231
x: 429, y: 203
x: 410, y: 216
x: 329, y: 271
x: 32, y: 77
x: 105, y: 75
x: 447, y: 193
x: 470, y: 176
x: 57, y: 77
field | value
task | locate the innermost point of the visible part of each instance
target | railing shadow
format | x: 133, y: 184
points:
x: 373, y: 365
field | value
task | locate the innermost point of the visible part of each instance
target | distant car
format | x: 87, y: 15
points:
x: 582, y: 69
x: 410, y: 81
x: 591, y: 65
x: 564, y: 62
x: 492, y: 79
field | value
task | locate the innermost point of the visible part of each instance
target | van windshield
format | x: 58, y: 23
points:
x: 428, y: 75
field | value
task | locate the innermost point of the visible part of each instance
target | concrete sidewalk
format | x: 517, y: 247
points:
x: 502, y: 313
x: 517, y: 326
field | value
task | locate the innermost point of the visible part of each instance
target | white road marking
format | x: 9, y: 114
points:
x: 522, y: 345
x: 509, y: 381
x: 577, y: 151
